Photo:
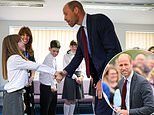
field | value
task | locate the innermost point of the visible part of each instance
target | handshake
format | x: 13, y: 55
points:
x: 59, y: 75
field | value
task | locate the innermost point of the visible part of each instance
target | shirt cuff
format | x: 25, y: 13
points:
x: 74, y: 76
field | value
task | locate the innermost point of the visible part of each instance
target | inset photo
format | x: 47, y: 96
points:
x: 128, y: 82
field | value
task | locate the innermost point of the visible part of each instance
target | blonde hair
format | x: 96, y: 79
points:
x: 9, y: 48
x: 105, y: 77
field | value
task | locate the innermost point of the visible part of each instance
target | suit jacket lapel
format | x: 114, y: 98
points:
x: 132, y: 85
x: 121, y: 85
x: 89, y: 31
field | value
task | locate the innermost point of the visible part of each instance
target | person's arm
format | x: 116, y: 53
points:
x: 108, y: 36
x: 66, y: 61
x: 106, y: 89
x: 32, y: 72
x: 29, y: 65
x: 75, y: 62
x: 117, y: 99
x: 32, y: 75
x: 82, y: 72
x: 147, y: 98
x: 54, y: 85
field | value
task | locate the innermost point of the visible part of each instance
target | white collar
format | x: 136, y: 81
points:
x: 84, y: 21
x: 52, y: 56
x: 130, y: 77
x: 70, y: 52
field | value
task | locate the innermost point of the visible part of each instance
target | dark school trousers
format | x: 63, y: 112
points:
x: 48, y: 100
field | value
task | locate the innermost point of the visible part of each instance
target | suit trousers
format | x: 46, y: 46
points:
x: 101, y: 107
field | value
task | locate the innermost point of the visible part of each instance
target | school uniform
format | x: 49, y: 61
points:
x: 48, y: 98
x: 72, y: 90
x: 17, y: 79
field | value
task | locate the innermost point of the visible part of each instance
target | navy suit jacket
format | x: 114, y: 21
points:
x: 103, y: 42
x: 141, y: 95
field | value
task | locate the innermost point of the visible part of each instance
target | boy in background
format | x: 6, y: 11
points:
x: 48, y: 89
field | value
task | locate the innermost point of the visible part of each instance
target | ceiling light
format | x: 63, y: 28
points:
x: 118, y: 6
x: 22, y: 3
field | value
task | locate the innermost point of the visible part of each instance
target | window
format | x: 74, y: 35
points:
x: 42, y: 38
x: 142, y: 40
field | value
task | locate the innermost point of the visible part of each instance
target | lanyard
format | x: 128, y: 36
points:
x: 26, y: 54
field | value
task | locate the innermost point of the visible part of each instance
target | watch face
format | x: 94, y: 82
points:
x: 122, y: 67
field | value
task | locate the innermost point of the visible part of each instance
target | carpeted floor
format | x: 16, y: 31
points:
x: 81, y: 111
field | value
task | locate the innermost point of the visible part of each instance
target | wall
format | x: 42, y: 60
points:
x: 120, y: 30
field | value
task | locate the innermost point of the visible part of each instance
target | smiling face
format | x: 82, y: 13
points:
x: 25, y: 38
x: 125, y: 65
x: 113, y: 75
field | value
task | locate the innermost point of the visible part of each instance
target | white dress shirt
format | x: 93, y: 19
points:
x: 17, y: 70
x: 86, y: 32
x: 127, y: 100
x: 45, y: 78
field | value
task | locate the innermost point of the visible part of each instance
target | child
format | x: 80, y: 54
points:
x: 48, y: 91
x: 73, y: 86
x: 14, y: 68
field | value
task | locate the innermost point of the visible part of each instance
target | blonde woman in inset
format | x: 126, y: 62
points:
x: 111, y: 77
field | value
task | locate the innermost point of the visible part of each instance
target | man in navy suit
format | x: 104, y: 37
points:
x: 139, y: 99
x: 102, y: 42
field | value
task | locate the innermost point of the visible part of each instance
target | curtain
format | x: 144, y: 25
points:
x: 141, y: 40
